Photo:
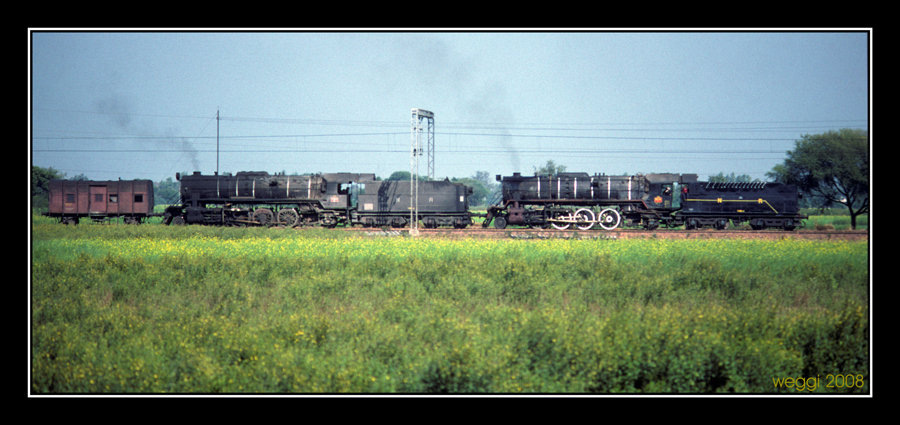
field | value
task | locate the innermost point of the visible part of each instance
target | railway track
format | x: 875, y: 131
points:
x: 525, y: 234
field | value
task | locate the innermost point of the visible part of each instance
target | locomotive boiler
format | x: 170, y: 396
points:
x: 257, y: 197
x: 570, y: 199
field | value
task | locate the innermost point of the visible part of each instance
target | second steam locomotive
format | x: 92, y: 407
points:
x: 648, y: 201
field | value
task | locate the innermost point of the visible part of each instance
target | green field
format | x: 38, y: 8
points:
x: 153, y: 309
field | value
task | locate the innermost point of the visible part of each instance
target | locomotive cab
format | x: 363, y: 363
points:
x: 352, y: 189
x: 342, y: 190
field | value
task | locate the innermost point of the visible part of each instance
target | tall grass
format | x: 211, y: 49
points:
x: 835, y: 222
x: 154, y: 309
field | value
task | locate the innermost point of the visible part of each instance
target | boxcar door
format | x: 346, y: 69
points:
x: 69, y: 193
x: 97, y: 201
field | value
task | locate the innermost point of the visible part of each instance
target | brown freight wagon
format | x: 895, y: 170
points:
x: 101, y: 200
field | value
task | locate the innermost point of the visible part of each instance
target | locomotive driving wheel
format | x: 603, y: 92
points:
x: 288, y: 217
x: 609, y: 219
x: 567, y: 216
x: 586, y: 216
x: 328, y: 220
x: 264, y: 216
x: 499, y: 222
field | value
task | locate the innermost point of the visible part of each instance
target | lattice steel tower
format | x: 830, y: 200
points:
x: 417, y: 116
x: 415, y: 151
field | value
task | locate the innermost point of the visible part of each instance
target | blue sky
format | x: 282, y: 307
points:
x: 130, y: 105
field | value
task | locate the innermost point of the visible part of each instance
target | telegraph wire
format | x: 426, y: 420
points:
x: 518, y: 135
x: 561, y: 126
x: 458, y: 151
x: 403, y: 124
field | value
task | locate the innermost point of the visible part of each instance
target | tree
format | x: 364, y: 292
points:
x: 40, y: 185
x: 167, y: 192
x: 404, y: 175
x: 399, y: 175
x: 731, y: 178
x: 485, y: 178
x: 549, y: 169
x: 489, y: 182
x: 833, y: 166
x: 483, y: 189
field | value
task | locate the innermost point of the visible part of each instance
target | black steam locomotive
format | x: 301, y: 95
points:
x: 648, y: 201
x: 329, y: 199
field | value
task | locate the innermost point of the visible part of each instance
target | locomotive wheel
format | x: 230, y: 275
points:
x: 328, y: 220
x: 288, y: 217
x: 499, y: 222
x: 560, y: 226
x: 264, y: 216
x: 584, y: 214
x: 609, y: 219
x: 177, y: 221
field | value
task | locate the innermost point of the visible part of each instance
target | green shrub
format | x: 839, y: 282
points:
x: 154, y: 309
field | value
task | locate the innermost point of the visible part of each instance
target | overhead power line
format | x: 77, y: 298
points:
x: 402, y: 124
x: 458, y: 151
x: 458, y: 134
